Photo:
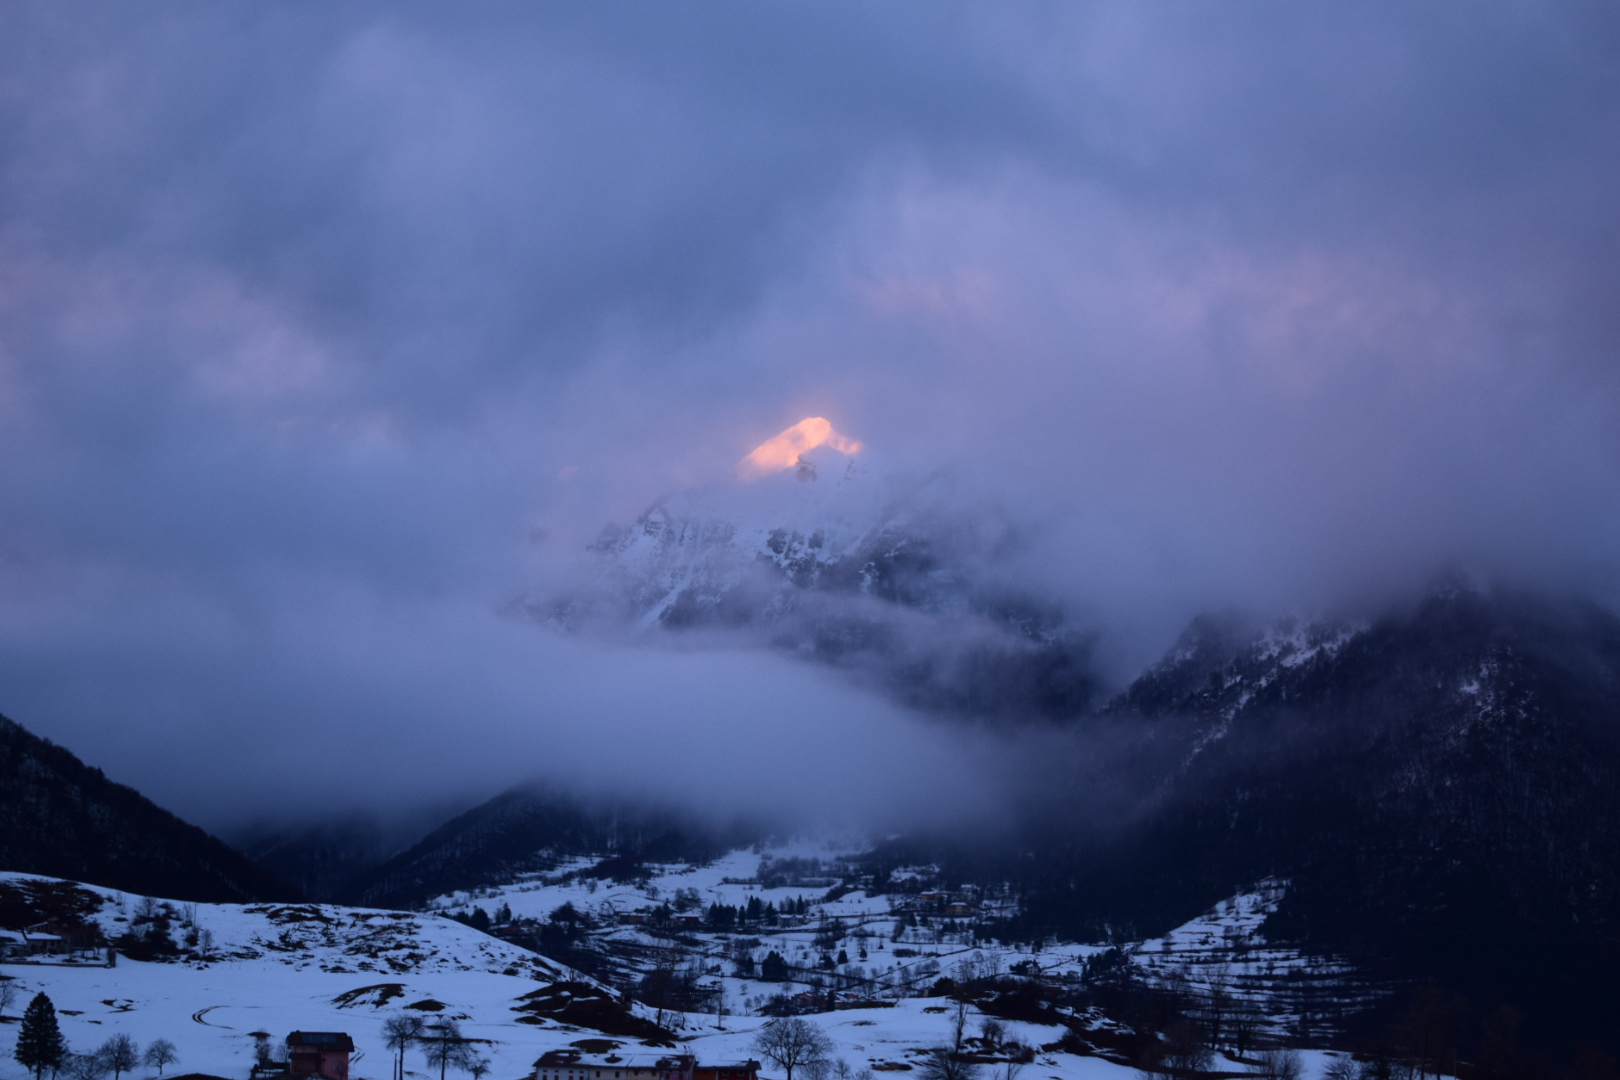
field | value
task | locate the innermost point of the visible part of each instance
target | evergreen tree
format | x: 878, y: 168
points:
x: 773, y: 968
x: 39, y: 1040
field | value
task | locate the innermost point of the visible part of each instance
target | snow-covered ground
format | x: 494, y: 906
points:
x: 278, y: 968
x: 1225, y: 947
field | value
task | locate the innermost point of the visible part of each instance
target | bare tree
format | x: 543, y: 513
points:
x: 1281, y: 1065
x: 121, y: 1053
x: 400, y: 1033
x: 1341, y: 1067
x: 446, y: 1046
x: 943, y: 1064
x: 1150, y: 1061
x: 1243, y: 1021
x: 160, y: 1055
x: 89, y: 1066
x: 1186, y: 1050
x: 479, y: 1068
x: 959, y: 1021
x: 793, y: 1043
x: 1433, y: 1025
x: 8, y: 994
x: 1216, y: 1010
x: 993, y: 1031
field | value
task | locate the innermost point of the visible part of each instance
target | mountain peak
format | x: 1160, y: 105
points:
x: 787, y: 449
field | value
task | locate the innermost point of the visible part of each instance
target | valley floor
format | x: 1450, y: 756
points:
x: 279, y: 968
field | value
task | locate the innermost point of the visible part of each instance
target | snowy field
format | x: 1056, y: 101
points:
x: 278, y: 968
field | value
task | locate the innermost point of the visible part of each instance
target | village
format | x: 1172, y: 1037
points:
x: 721, y: 939
x: 671, y: 975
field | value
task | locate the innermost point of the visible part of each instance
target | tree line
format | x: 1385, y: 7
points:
x: 41, y: 1048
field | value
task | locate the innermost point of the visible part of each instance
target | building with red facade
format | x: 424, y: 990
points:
x: 319, y: 1054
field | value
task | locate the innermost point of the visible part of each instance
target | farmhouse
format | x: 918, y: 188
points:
x: 15, y: 944
x: 572, y: 1064
x: 727, y: 1070
x: 319, y: 1054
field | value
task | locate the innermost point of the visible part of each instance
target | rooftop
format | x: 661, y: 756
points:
x: 334, y: 1041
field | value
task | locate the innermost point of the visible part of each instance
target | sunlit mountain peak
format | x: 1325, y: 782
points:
x: 784, y: 450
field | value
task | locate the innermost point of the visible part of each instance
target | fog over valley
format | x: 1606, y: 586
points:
x: 354, y: 326
x: 1100, y: 467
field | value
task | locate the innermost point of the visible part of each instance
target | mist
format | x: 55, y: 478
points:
x: 326, y: 334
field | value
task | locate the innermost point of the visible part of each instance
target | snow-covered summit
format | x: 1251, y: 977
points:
x: 694, y: 548
x: 890, y: 575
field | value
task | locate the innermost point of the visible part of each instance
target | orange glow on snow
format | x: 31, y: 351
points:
x: 782, y: 452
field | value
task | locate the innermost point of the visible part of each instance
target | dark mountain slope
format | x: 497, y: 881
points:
x: 1442, y: 788
x: 325, y: 858
x: 321, y: 859
x: 531, y: 829
x: 62, y: 818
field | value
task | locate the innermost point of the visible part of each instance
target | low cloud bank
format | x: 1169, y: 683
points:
x: 360, y: 705
x: 327, y: 333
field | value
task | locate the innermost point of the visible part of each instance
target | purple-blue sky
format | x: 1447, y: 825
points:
x: 314, y: 316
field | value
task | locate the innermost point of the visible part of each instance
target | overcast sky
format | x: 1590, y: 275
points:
x: 327, y: 329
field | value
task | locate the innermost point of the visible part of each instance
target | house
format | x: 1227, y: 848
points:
x: 42, y: 944
x: 727, y: 1070
x: 319, y: 1053
x: 571, y: 1064
x: 957, y: 909
x: 16, y: 944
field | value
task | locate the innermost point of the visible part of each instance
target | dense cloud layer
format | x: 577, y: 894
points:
x: 326, y: 330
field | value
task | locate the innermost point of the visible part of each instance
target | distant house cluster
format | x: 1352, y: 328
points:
x: 575, y: 1065
x: 942, y: 903
x: 687, y: 912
